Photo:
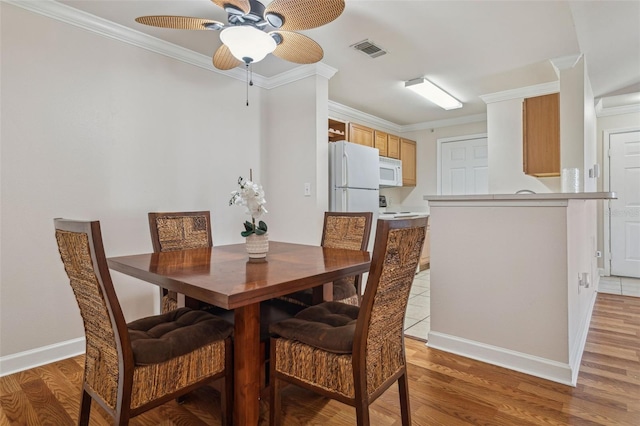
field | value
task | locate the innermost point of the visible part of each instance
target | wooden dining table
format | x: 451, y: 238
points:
x: 224, y: 276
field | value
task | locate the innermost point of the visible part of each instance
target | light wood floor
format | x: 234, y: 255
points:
x: 444, y: 389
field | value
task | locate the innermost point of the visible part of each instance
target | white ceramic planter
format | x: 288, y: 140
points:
x: 257, y: 246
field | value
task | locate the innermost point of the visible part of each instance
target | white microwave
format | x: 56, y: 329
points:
x: 390, y: 172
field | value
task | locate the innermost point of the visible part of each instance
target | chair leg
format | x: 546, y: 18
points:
x: 275, y: 385
x: 403, y: 388
x: 362, y: 413
x: 122, y: 418
x: 85, y: 409
x: 275, y: 409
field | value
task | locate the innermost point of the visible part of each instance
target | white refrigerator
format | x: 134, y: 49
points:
x: 354, y: 179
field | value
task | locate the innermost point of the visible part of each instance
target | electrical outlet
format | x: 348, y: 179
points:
x: 307, y: 189
x: 585, y: 279
x: 598, y: 253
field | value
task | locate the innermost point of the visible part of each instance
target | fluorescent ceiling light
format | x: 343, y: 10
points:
x: 247, y: 43
x: 427, y: 89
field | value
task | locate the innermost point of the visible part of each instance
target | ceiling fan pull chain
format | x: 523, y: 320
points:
x: 247, y: 87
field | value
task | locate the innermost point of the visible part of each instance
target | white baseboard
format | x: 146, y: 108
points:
x: 518, y: 361
x: 40, y: 356
x: 565, y: 373
x: 575, y: 358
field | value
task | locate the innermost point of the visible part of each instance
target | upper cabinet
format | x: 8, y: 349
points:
x: 389, y: 145
x: 408, y: 157
x: 541, y: 135
x: 337, y: 130
x: 361, y: 135
x: 393, y: 147
x: 381, y: 141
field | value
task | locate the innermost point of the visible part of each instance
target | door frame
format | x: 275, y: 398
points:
x: 439, y: 143
x: 606, y: 187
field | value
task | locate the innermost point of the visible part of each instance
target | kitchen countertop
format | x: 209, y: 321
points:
x: 525, y: 197
x: 401, y: 214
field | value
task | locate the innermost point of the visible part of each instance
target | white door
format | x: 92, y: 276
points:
x: 464, y: 166
x: 624, y: 213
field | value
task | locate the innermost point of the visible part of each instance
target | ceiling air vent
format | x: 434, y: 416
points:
x: 369, y: 48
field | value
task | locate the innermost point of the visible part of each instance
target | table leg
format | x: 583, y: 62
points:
x: 322, y: 293
x: 246, y: 405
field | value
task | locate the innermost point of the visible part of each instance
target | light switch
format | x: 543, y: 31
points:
x: 307, y: 189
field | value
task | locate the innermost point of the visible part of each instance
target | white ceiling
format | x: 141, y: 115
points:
x: 469, y: 48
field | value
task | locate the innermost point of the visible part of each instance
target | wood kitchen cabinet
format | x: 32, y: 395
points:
x: 408, y: 158
x: 393, y: 147
x: 541, y: 135
x: 381, y: 141
x: 388, y: 145
x: 337, y: 130
x: 425, y: 256
x: 361, y: 135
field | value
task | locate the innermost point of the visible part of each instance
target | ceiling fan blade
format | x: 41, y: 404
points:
x: 224, y: 60
x: 303, y: 14
x: 242, y: 5
x: 297, y: 48
x: 179, y: 22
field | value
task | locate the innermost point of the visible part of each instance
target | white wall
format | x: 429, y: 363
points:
x: 93, y: 128
x: 506, y: 175
x: 502, y: 307
x: 296, y: 152
x: 577, y: 123
x: 410, y: 198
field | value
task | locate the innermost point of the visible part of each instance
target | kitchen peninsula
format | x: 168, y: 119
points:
x: 514, y: 278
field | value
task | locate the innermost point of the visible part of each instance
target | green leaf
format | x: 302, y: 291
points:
x: 248, y: 226
x: 260, y: 231
x: 262, y: 225
x: 246, y: 233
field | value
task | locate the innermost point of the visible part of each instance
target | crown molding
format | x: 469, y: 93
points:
x: 627, y: 103
x: 298, y: 73
x: 340, y: 111
x: 522, y: 92
x: 447, y: 122
x: 69, y: 15
x: 565, y: 62
x: 352, y: 114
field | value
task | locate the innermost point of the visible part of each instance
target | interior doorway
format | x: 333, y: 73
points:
x: 463, y: 165
x: 623, y: 213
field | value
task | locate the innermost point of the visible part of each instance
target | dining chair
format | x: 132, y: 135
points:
x: 350, y: 353
x: 131, y: 368
x: 179, y: 231
x: 346, y: 230
x: 171, y: 231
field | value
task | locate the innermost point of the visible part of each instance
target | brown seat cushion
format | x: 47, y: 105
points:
x: 162, y: 337
x: 329, y: 326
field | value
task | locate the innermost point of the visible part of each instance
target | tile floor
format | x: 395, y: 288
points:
x: 417, y: 321
x: 620, y: 285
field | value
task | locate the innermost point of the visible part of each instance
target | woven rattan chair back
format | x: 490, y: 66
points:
x: 111, y: 376
x: 82, y: 253
x: 379, y: 336
x: 346, y: 230
x: 179, y: 231
x: 377, y: 358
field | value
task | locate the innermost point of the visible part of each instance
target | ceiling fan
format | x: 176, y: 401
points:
x: 253, y: 30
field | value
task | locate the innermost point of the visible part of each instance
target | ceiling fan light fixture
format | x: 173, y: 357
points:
x: 433, y: 93
x: 247, y: 44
